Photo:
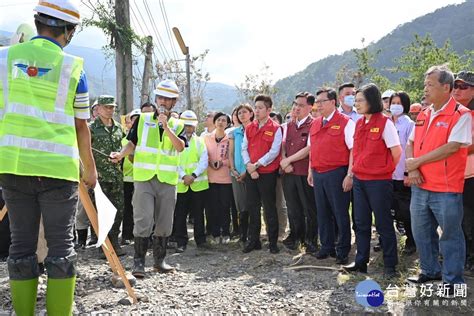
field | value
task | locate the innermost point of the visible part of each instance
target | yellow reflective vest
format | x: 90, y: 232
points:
x: 189, y: 161
x: 38, y: 83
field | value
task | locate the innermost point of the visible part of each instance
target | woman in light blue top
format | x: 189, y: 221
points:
x: 245, y: 115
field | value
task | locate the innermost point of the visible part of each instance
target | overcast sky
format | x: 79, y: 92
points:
x: 244, y: 35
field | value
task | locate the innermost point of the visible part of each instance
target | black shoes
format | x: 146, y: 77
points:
x: 355, y: 267
x: 408, y: 251
x: 290, y: 243
x: 159, y: 254
x: 252, y: 246
x: 342, y: 260
x: 324, y: 255
x: 423, y: 278
x: 389, y: 273
x: 311, y: 248
x: 180, y: 248
x: 274, y: 248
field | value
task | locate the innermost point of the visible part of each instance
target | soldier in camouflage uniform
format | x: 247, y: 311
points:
x: 107, y: 134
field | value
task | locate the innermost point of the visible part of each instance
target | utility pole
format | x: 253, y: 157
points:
x: 123, y: 58
x: 185, y: 51
x: 147, y: 71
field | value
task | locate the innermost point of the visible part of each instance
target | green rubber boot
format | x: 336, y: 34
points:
x: 60, y: 296
x: 24, y: 296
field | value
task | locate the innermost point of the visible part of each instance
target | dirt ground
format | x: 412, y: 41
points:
x: 225, y: 280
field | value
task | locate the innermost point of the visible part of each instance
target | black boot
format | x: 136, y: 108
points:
x: 141, y: 246
x: 115, y: 243
x: 93, y: 240
x: 81, y: 239
x: 159, y: 254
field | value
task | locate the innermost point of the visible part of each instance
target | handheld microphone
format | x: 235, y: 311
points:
x: 161, y: 110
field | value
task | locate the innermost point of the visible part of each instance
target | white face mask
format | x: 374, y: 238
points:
x: 396, y: 109
x: 349, y: 100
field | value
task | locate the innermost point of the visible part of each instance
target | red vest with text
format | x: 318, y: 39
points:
x: 260, y: 141
x: 372, y: 159
x: 328, y: 145
x: 446, y: 175
x: 297, y: 139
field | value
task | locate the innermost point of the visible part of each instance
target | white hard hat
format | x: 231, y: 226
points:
x: 135, y: 112
x: 66, y: 10
x: 387, y: 94
x: 189, y: 118
x: 23, y: 33
x: 167, y: 88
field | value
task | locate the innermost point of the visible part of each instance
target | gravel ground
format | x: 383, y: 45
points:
x: 224, y: 280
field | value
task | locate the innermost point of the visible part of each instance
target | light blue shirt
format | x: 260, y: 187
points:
x: 404, y: 126
x: 353, y: 114
x: 238, y: 135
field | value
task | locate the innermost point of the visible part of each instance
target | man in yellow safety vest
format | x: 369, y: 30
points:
x: 157, y: 139
x: 44, y: 107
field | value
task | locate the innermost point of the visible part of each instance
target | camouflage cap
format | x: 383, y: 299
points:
x: 465, y: 76
x: 106, y: 100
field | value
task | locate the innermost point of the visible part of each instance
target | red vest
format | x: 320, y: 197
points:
x: 372, y: 159
x: 445, y: 175
x: 297, y: 139
x: 260, y: 141
x: 328, y: 145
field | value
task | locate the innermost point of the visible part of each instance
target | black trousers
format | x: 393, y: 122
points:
x: 262, y: 191
x: 301, y: 206
x: 187, y: 203
x: 127, y: 224
x: 220, y: 198
x: 401, y: 205
x: 5, y: 240
x: 468, y: 218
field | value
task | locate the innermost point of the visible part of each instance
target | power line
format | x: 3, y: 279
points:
x: 156, y: 37
x: 160, y: 39
x: 167, y: 27
x: 143, y: 32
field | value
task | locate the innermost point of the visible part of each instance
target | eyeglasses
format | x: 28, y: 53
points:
x: 321, y: 101
x: 359, y: 100
x: 461, y: 86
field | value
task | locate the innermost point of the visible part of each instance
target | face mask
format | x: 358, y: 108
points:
x: 396, y: 109
x: 349, y: 100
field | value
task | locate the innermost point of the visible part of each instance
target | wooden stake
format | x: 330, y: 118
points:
x: 3, y: 212
x: 109, y: 252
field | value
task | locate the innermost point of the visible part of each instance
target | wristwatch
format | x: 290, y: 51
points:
x: 257, y: 165
x: 350, y: 175
x: 193, y: 175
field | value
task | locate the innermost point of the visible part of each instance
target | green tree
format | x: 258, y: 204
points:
x: 420, y: 55
x: 365, y: 71
x: 255, y: 84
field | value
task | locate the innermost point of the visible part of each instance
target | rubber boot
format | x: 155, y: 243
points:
x: 93, y: 240
x: 141, y: 247
x: 115, y: 243
x: 159, y: 254
x: 24, y: 296
x: 81, y: 239
x: 60, y: 296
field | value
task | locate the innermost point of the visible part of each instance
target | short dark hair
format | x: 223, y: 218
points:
x: 278, y: 116
x: 147, y: 104
x: 345, y: 85
x: 331, y: 93
x: 247, y: 107
x: 404, y: 98
x: 219, y: 114
x: 55, y: 31
x: 267, y: 100
x: 310, y: 99
x: 373, y: 97
x: 445, y: 75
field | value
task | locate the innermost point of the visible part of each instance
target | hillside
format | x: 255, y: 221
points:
x: 449, y: 23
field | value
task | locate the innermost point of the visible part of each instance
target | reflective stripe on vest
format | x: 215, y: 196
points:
x: 155, y: 153
x: 189, y: 161
x: 37, y: 128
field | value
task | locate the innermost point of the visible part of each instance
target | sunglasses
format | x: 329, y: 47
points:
x: 461, y: 86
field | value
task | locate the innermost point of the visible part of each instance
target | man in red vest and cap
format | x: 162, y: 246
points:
x: 436, y: 161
